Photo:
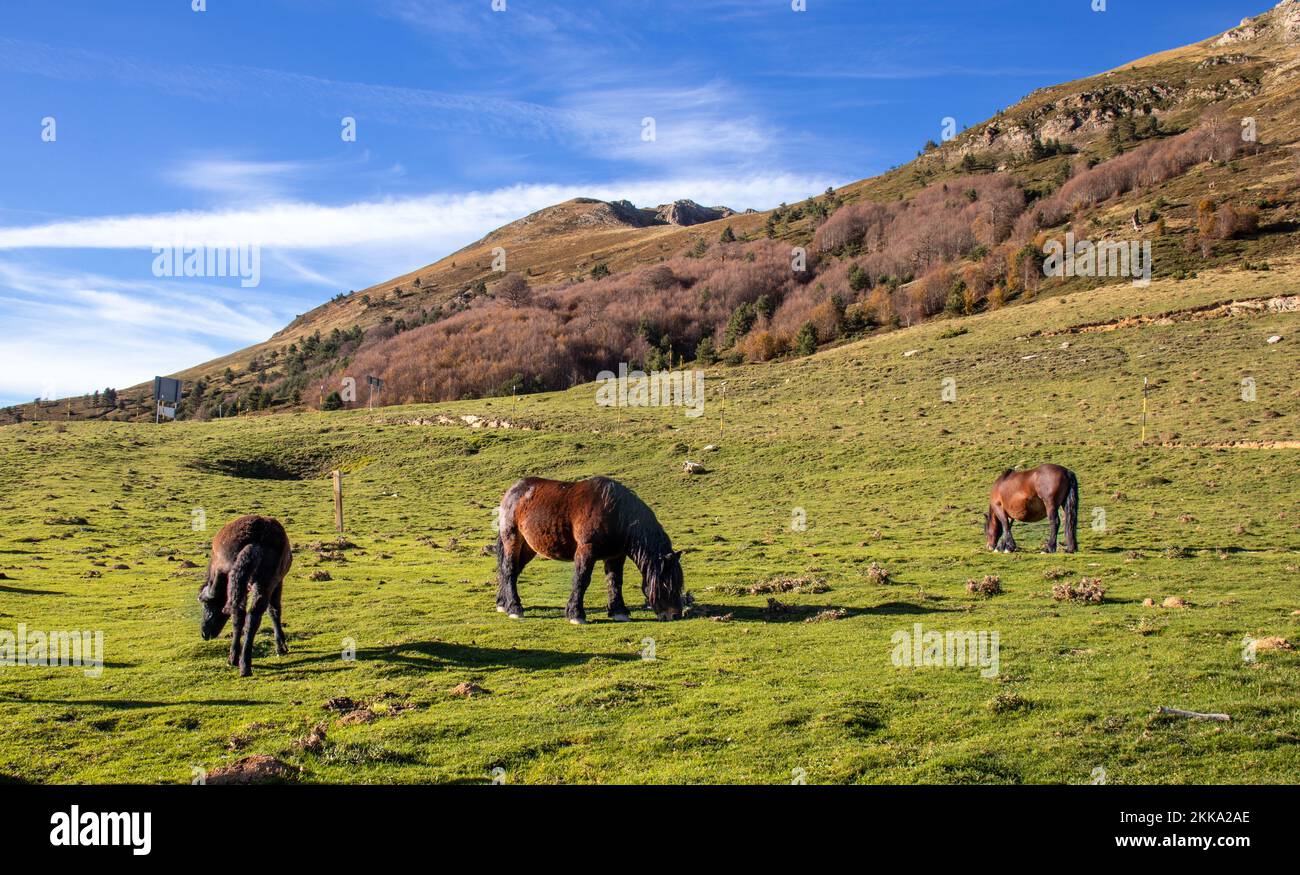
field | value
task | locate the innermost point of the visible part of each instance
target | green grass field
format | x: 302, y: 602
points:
x: 97, y: 521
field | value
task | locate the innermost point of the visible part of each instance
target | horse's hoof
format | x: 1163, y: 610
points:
x: 621, y: 618
x: 515, y: 616
x: 577, y: 621
x: 500, y: 610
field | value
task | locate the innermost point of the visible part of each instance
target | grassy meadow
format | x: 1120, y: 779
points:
x: 97, y: 532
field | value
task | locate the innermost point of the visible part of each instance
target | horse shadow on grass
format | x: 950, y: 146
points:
x: 801, y: 613
x: 18, y: 590
x: 444, y: 654
x: 132, y: 704
x: 1157, y: 552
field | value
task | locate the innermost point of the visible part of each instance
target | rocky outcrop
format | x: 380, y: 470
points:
x: 688, y: 212
x: 1281, y: 24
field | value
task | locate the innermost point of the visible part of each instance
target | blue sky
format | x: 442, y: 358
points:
x: 224, y: 127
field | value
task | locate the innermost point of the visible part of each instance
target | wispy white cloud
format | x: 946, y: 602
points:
x: 69, y: 332
x: 436, y: 220
x: 234, y: 179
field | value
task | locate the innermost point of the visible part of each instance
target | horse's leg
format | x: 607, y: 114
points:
x: 255, y: 611
x: 514, y: 607
x: 237, y: 630
x: 614, y: 583
x: 515, y: 554
x: 274, y: 608
x: 1054, y: 525
x: 1008, y: 542
x: 583, y: 563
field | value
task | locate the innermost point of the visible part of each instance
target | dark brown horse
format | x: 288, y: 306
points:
x: 595, y: 519
x: 1029, y: 496
x: 249, y: 555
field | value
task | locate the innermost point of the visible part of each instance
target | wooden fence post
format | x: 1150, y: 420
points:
x: 338, y: 501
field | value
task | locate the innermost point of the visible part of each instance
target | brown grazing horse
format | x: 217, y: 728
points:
x: 582, y: 522
x: 253, y: 554
x: 1029, y: 496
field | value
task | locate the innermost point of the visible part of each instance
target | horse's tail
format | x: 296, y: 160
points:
x: 241, y: 574
x: 505, y: 523
x: 1072, y: 513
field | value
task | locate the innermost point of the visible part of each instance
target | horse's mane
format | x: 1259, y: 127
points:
x: 646, y: 539
x: 1005, y: 474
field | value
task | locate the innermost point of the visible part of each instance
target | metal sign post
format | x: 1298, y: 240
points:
x: 375, y: 385
x: 165, y: 389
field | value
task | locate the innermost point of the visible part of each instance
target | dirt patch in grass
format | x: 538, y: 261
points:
x: 467, y: 690
x: 470, y: 419
x: 259, y: 769
x: 1221, y: 310
x: 1234, y: 445
x: 67, y: 521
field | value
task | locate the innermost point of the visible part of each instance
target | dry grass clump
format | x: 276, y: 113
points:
x: 313, y: 741
x: 1055, y: 574
x: 828, y: 614
x: 796, y: 585
x: 776, y: 610
x: 988, y: 587
x: 1088, y: 591
x: 1008, y: 701
x: 1273, y: 642
x: 877, y: 573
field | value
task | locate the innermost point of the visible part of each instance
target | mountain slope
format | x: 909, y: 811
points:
x: 1053, y: 135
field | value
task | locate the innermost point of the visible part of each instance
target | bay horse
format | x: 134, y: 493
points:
x: 582, y: 522
x: 1029, y: 496
x: 250, y: 555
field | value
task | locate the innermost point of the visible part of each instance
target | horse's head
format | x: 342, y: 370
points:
x: 663, y: 585
x: 215, y: 613
x: 992, y: 529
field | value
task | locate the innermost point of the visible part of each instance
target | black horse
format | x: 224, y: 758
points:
x: 249, y: 555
